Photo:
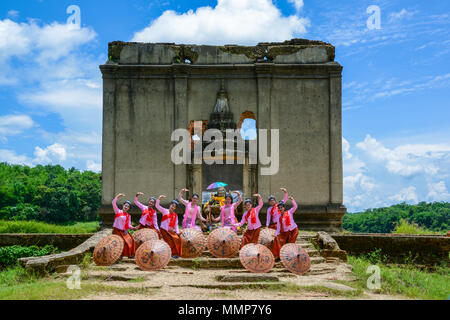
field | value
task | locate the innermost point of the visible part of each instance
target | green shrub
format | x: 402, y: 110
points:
x: 42, y: 227
x: 22, y: 211
x: 16, y: 275
x: 404, y: 227
x: 10, y: 254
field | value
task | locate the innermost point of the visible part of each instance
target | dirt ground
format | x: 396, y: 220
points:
x: 195, y: 279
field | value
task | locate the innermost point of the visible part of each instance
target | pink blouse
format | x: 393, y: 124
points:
x: 245, y: 217
x: 189, y: 218
x: 165, y: 223
x: 276, y: 214
x: 143, y: 219
x: 291, y: 215
x: 121, y: 222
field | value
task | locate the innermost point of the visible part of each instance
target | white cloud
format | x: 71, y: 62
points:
x: 14, y: 39
x: 229, y: 22
x: 345, y: 149
x: 438, y: 192
x: 409, y: 159
x: 407, y: 195
x: 352, y: 164
x: 50, y: 41
x: 76, y: 100
x: 368, y: 92
x: 93, y: 166
x: 298, y: 4
x: 401, y: 14
x: 376, y: 176
x: 13, y: 14
x: 13, y: 158
x: 11, y: 125
x: 54, y: 153
x: 364, y: 183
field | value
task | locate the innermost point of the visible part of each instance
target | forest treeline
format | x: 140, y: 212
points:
x: 434, y: 216
x: 48, y: 193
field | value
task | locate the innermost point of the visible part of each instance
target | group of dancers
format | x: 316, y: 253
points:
x: 278, y: 218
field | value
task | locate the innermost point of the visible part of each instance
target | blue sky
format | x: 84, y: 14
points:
x: 396, y: 79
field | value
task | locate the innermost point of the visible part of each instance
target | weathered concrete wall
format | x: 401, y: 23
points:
x: 294, y: 86
x: 426, y: 249
x: 61, y: 241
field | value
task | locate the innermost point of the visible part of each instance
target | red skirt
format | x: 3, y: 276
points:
x: 273, y: 226
x: 282, y: 239
x: 173, y: 240
x: 250, y: 236
x: 140, y: 226
x: 128, y: 243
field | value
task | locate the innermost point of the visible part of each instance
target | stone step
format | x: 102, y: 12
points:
x: 235, y: 285
x: 247, y: 277
x: 221, y: 263
x: 311, y: 252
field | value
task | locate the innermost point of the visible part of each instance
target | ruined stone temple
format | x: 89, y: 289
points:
x: 151, y: 89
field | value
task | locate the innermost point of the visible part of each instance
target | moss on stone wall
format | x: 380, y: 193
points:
x: 262, y: 51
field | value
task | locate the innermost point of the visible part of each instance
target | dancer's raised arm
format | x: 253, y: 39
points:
x: 180, y: 197
x: 114, y: 202
x: 239, y: 201
x: 285, y: 198
x: 158, y: 206
x: 137, y: 203
x: 260, y: 202
x: 294, y: 205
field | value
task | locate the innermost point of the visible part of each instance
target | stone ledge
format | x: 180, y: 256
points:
x: 299, y: 51
x: 50, y: 263
x: 329, y: 248
x: 397, y: 247
x: 62, y: 241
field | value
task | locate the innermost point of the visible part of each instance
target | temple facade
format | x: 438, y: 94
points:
x: 151, y: 89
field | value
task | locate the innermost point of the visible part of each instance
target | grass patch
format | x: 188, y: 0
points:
x: 18, y: 284
x: 57, y: 290
x: 196, y: 263
x: 10, y: 254
x: 405, y: 227
x: 294, y: 288
x: 42, y: 227
x: 406, y: 279
x: 14, y: 276
x: 138, y: 279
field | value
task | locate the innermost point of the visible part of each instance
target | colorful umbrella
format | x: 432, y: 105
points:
x: 223, y: 243
x: 108, y: 250
x: 144, y: 235
x: 266, y: 237
x: 153, y: 255
x: 256, y: 258
x: 216, y: 185
x: 295, y: 258
x: 192, y: 242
